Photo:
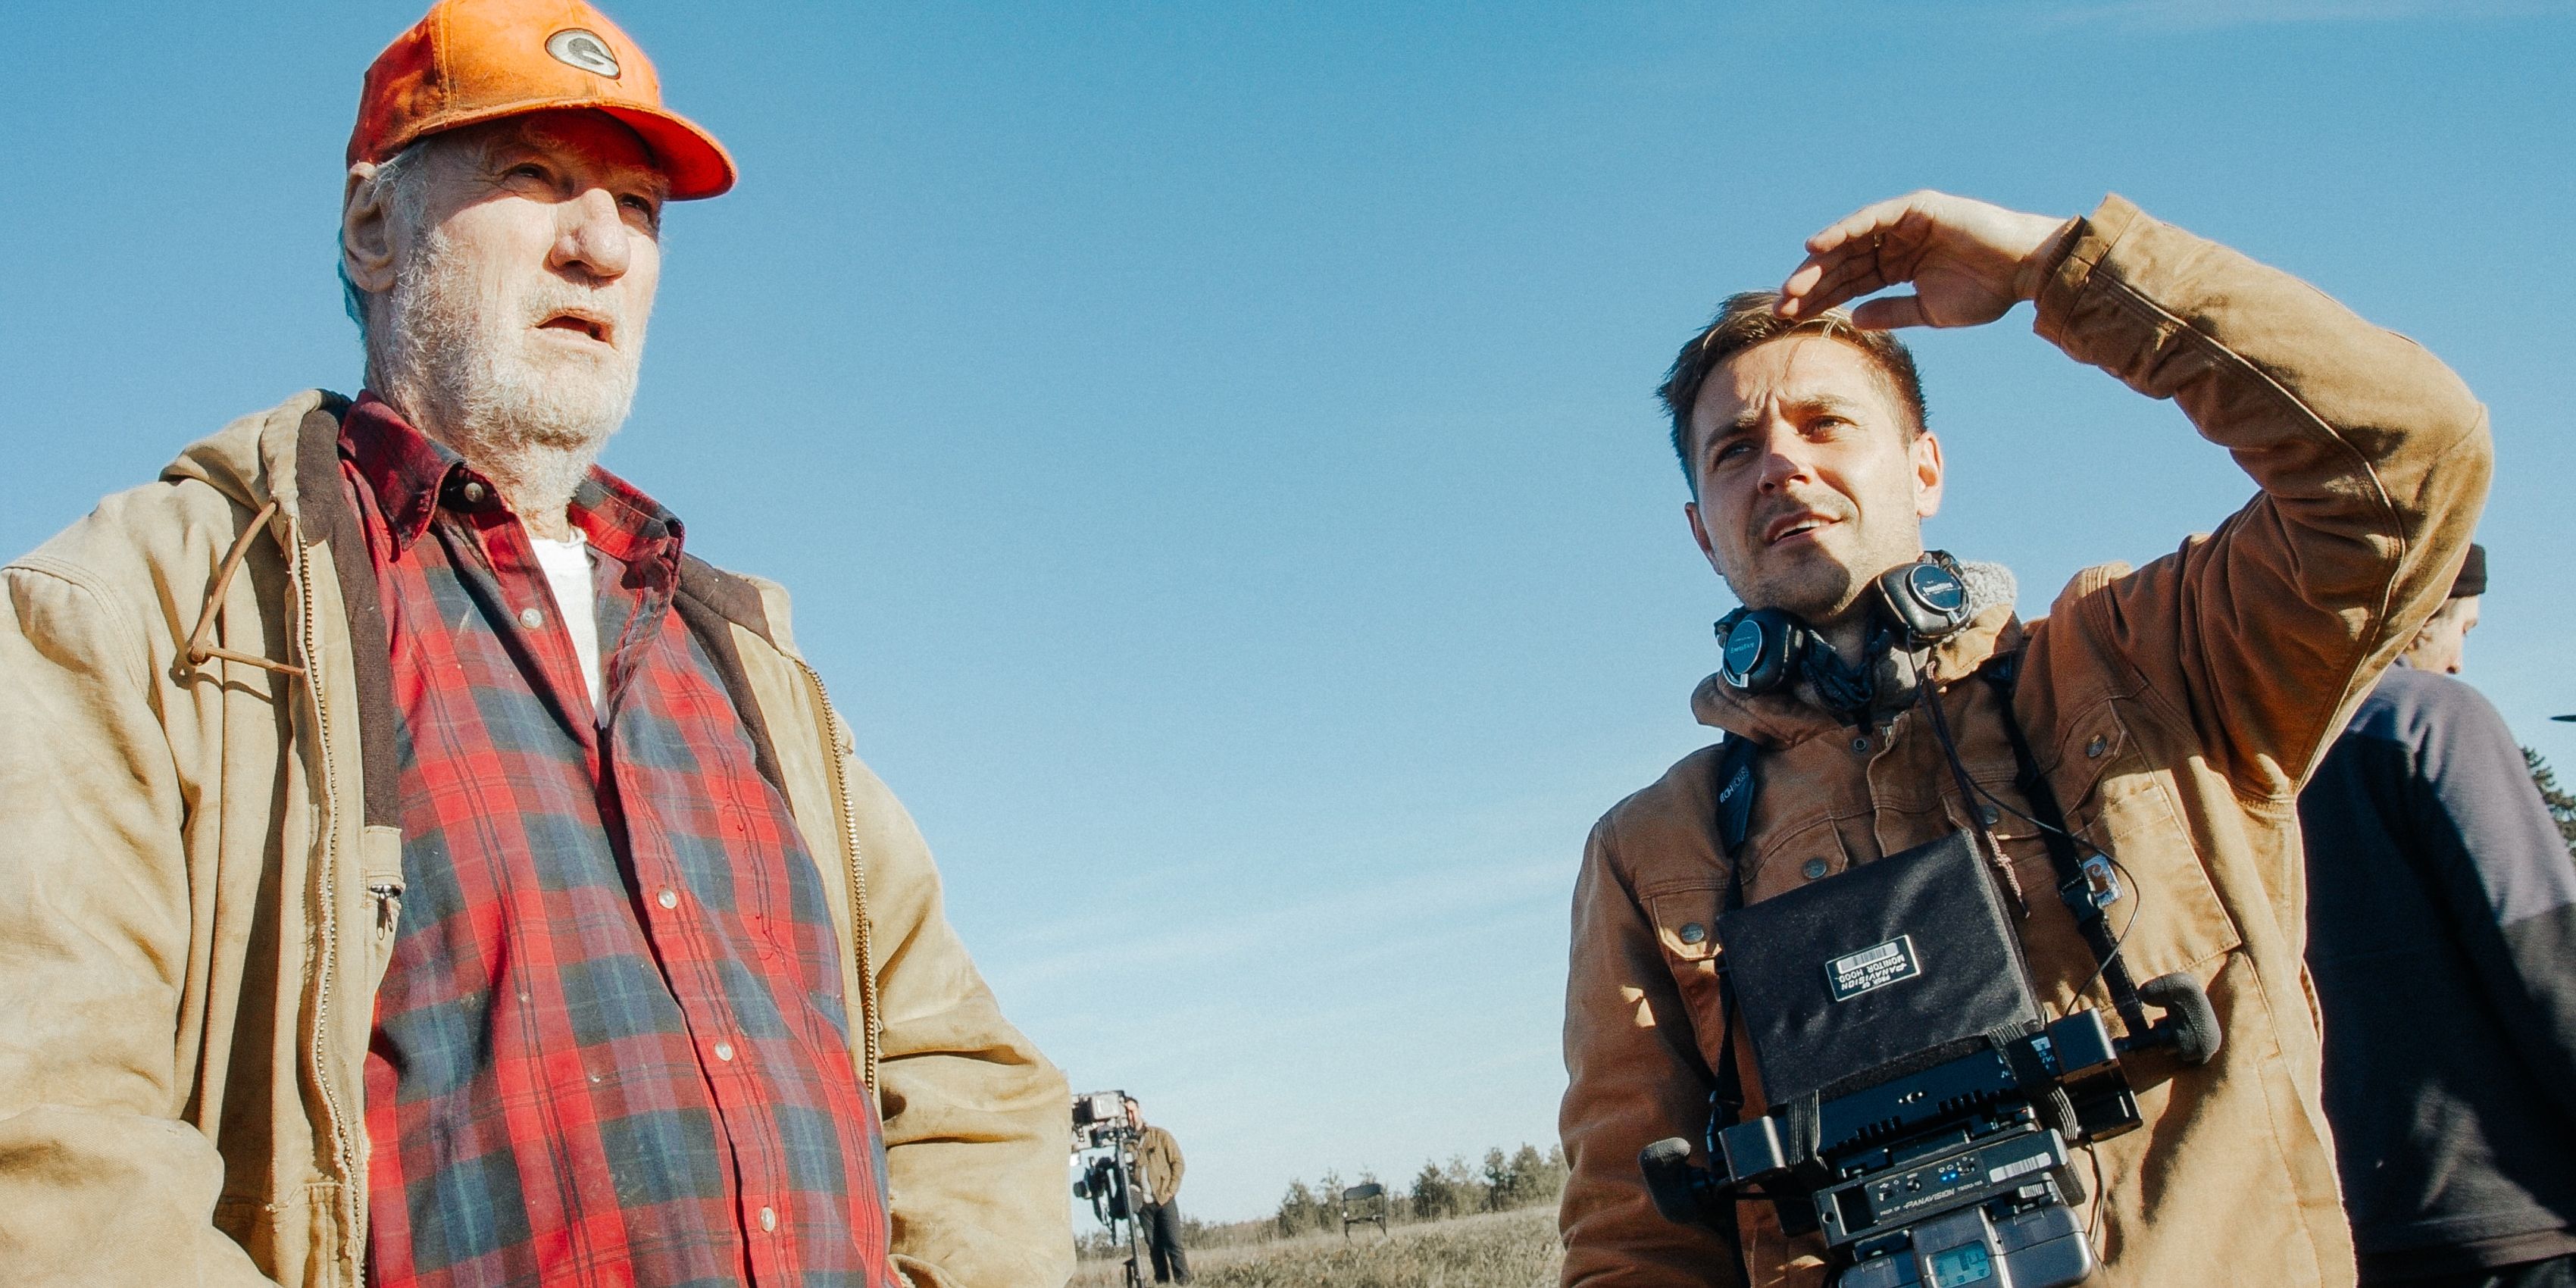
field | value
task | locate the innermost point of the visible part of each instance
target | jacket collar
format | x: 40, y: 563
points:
x: 1783, y: 718
x: 253, y: 459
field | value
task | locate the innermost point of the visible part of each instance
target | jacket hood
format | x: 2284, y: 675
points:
x: 252, y: 460
x: 1782, y: 718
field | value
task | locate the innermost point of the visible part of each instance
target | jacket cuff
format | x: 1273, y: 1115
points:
x: 2092, y: 244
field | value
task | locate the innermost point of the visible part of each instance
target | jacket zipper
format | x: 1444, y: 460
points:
x: 326, y: 928
x: 832, y: 733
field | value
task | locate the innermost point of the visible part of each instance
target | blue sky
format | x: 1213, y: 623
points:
x: 1212, y: 445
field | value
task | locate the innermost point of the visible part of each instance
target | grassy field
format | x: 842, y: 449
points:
x: 1499, y: 1250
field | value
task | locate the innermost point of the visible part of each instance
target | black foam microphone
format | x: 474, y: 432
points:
x: 1677, y: 1187
x: 2190, y: 1023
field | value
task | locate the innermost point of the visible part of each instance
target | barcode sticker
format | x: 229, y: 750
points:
x: 1877, y: 966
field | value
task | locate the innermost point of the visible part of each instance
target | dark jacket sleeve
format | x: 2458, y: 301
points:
x: 2497, y: 859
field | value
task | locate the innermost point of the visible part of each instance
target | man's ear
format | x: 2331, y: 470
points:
x: 1699, y: 533
x: 367, y: 249
x: 1924, y: 454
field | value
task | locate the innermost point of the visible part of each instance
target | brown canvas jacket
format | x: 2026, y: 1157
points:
x: 2175, y: 710
x: 201, y: 876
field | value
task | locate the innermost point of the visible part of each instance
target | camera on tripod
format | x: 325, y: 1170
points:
x: 1100, y: 1129
x: 1923, y: 1118
x: 1104, y: 1170
x: 1097, y: 1117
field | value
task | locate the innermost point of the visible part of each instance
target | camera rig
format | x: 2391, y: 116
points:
x: 1954, y: 1174
x: 1105, y: 1171
x: 1923, y: 1116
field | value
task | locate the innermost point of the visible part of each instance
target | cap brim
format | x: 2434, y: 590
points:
x: 690, y: 158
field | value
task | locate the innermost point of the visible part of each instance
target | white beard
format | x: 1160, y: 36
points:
x: 459, y: 364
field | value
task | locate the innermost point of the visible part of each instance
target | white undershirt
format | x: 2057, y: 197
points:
x: 567, y: 565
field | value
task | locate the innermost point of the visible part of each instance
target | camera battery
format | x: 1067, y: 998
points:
x: 2041, y: 1248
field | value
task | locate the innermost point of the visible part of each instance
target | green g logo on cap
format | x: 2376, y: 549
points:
x: 574, y: 47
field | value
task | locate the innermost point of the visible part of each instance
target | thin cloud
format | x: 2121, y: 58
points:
x: 1353, y: 919
x: 2203, y: 14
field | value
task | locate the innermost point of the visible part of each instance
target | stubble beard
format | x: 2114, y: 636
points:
x: 1826, y: 589
x: 461, y: 365
x: 1818, y: 592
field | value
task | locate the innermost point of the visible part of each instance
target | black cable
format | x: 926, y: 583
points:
x: 2093, y: 1227
x: 2137, y: 903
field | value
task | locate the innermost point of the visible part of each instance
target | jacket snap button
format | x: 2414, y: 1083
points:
x: 531, y: 618
x: 1989, y: 815
x: 1815, y: 868
x: 474, y: 493
x: 2095, y: 748
x: 1693, y: 932
x: 1860, y: 745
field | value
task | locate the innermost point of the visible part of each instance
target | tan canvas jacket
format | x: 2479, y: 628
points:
x: 201, y: 876
x: 1159, y: 1157
x: 2175, y: 710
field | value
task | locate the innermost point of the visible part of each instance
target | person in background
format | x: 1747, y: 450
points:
x: 416, y: 867
x: 1158, y: 1156
x: 2442, y: 938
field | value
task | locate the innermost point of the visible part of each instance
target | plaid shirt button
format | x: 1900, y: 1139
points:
x: 724, y: 1051
x: 669, y: 898
x: 531, y: 618
x: 769, y: 1218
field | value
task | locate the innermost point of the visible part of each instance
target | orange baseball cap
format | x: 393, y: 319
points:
x: 480, y: 60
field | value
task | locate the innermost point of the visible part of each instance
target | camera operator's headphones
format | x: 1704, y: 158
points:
x: 1918, y: 604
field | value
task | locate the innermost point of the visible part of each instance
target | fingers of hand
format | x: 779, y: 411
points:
x: 1873, y: 219
x: 1889, y: 313
x: 1866, y: 268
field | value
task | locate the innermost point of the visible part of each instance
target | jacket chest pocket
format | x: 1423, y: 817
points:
x: 1685, y: 921
x: 1685, y: 914
x: 2168, y: 916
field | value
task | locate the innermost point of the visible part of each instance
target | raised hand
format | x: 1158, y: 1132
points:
x: 1968, y: 261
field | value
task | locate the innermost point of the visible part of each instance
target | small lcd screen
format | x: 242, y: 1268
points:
x: 1952, y: 1267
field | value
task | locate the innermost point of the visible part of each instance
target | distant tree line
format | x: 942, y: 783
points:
x: 2562, y: 807
x: 1457, y: 1188
x: 1522, y: 1178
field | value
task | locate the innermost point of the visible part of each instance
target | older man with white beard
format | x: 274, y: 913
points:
x: 414, y: 867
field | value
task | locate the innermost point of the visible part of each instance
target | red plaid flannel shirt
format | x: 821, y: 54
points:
x: 610, y: 1045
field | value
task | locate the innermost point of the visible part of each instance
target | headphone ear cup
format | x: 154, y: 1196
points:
x: 1759, y: 648
x: 1926, y: 599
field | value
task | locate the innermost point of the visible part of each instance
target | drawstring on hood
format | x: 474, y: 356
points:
x: 199, y: 651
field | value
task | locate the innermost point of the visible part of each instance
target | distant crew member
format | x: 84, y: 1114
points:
x: 2442, y: 935
x: 1158, y: 1156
